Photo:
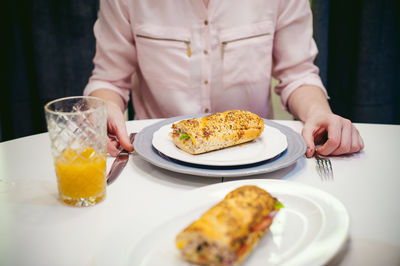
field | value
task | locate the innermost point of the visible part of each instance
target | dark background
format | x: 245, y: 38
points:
x: 49, y: 50
x: 48, y: 46
x: 359, y: 59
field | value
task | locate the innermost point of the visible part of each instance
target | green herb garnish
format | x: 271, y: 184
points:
x: 184, y: 136
x: 278, y: 205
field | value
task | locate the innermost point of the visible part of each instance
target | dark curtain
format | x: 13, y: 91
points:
x: 47, y: 52
x: 359, y: 45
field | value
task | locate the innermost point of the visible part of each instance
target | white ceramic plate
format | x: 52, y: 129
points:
x: 310, y: 230
x: 296, y: 148
x: 270, y: 144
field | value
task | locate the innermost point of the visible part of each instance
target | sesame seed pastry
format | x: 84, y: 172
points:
x: 216, y: 131
x: 228, y: 232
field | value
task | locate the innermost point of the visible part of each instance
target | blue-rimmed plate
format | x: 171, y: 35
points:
x: 144, y: 148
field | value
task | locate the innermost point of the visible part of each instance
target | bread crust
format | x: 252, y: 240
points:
x: 228, y: 232
x: 216, y: 131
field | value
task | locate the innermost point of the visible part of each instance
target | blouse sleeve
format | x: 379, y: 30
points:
x: 294, y: 49
x: 115, y: 58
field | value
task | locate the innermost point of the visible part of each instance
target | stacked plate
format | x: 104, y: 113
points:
x: 278, y: 147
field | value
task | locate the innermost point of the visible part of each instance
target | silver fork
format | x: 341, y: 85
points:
x: 324, y: 167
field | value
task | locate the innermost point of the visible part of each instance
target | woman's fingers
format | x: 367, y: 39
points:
x: 116, y: 126
x: 112, y: 146
x: 123, y: 137
x: 308, y: 137
x: 357, y: 142
x: 334, y: 133
x: 343, y: 138
x: 346, y: 138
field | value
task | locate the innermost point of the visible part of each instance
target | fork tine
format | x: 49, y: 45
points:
x: 324, y: 168
x: 327, y: 169
x: 330, y: 169
x: 320, y: 168
x: 324, y: 171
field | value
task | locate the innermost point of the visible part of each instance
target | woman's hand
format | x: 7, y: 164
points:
x: 117, y: 134
x: 334, y: 135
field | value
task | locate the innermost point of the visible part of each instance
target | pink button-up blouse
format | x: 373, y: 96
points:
x: 190, y: 59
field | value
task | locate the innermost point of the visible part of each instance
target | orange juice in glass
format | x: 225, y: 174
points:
x: 81, y: 176
x: 78, y: 134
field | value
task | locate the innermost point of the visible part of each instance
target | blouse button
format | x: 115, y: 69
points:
x: 206, y: 22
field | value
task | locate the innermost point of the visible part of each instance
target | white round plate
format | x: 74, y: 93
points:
x: 270, y: 144
x: 310, y: 230
x: 296, y: 148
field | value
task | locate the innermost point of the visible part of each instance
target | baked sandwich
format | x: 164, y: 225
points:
x: 216, y: 131
x: 229, y: 231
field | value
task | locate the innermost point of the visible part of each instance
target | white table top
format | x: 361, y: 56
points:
x: 36, y: 229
